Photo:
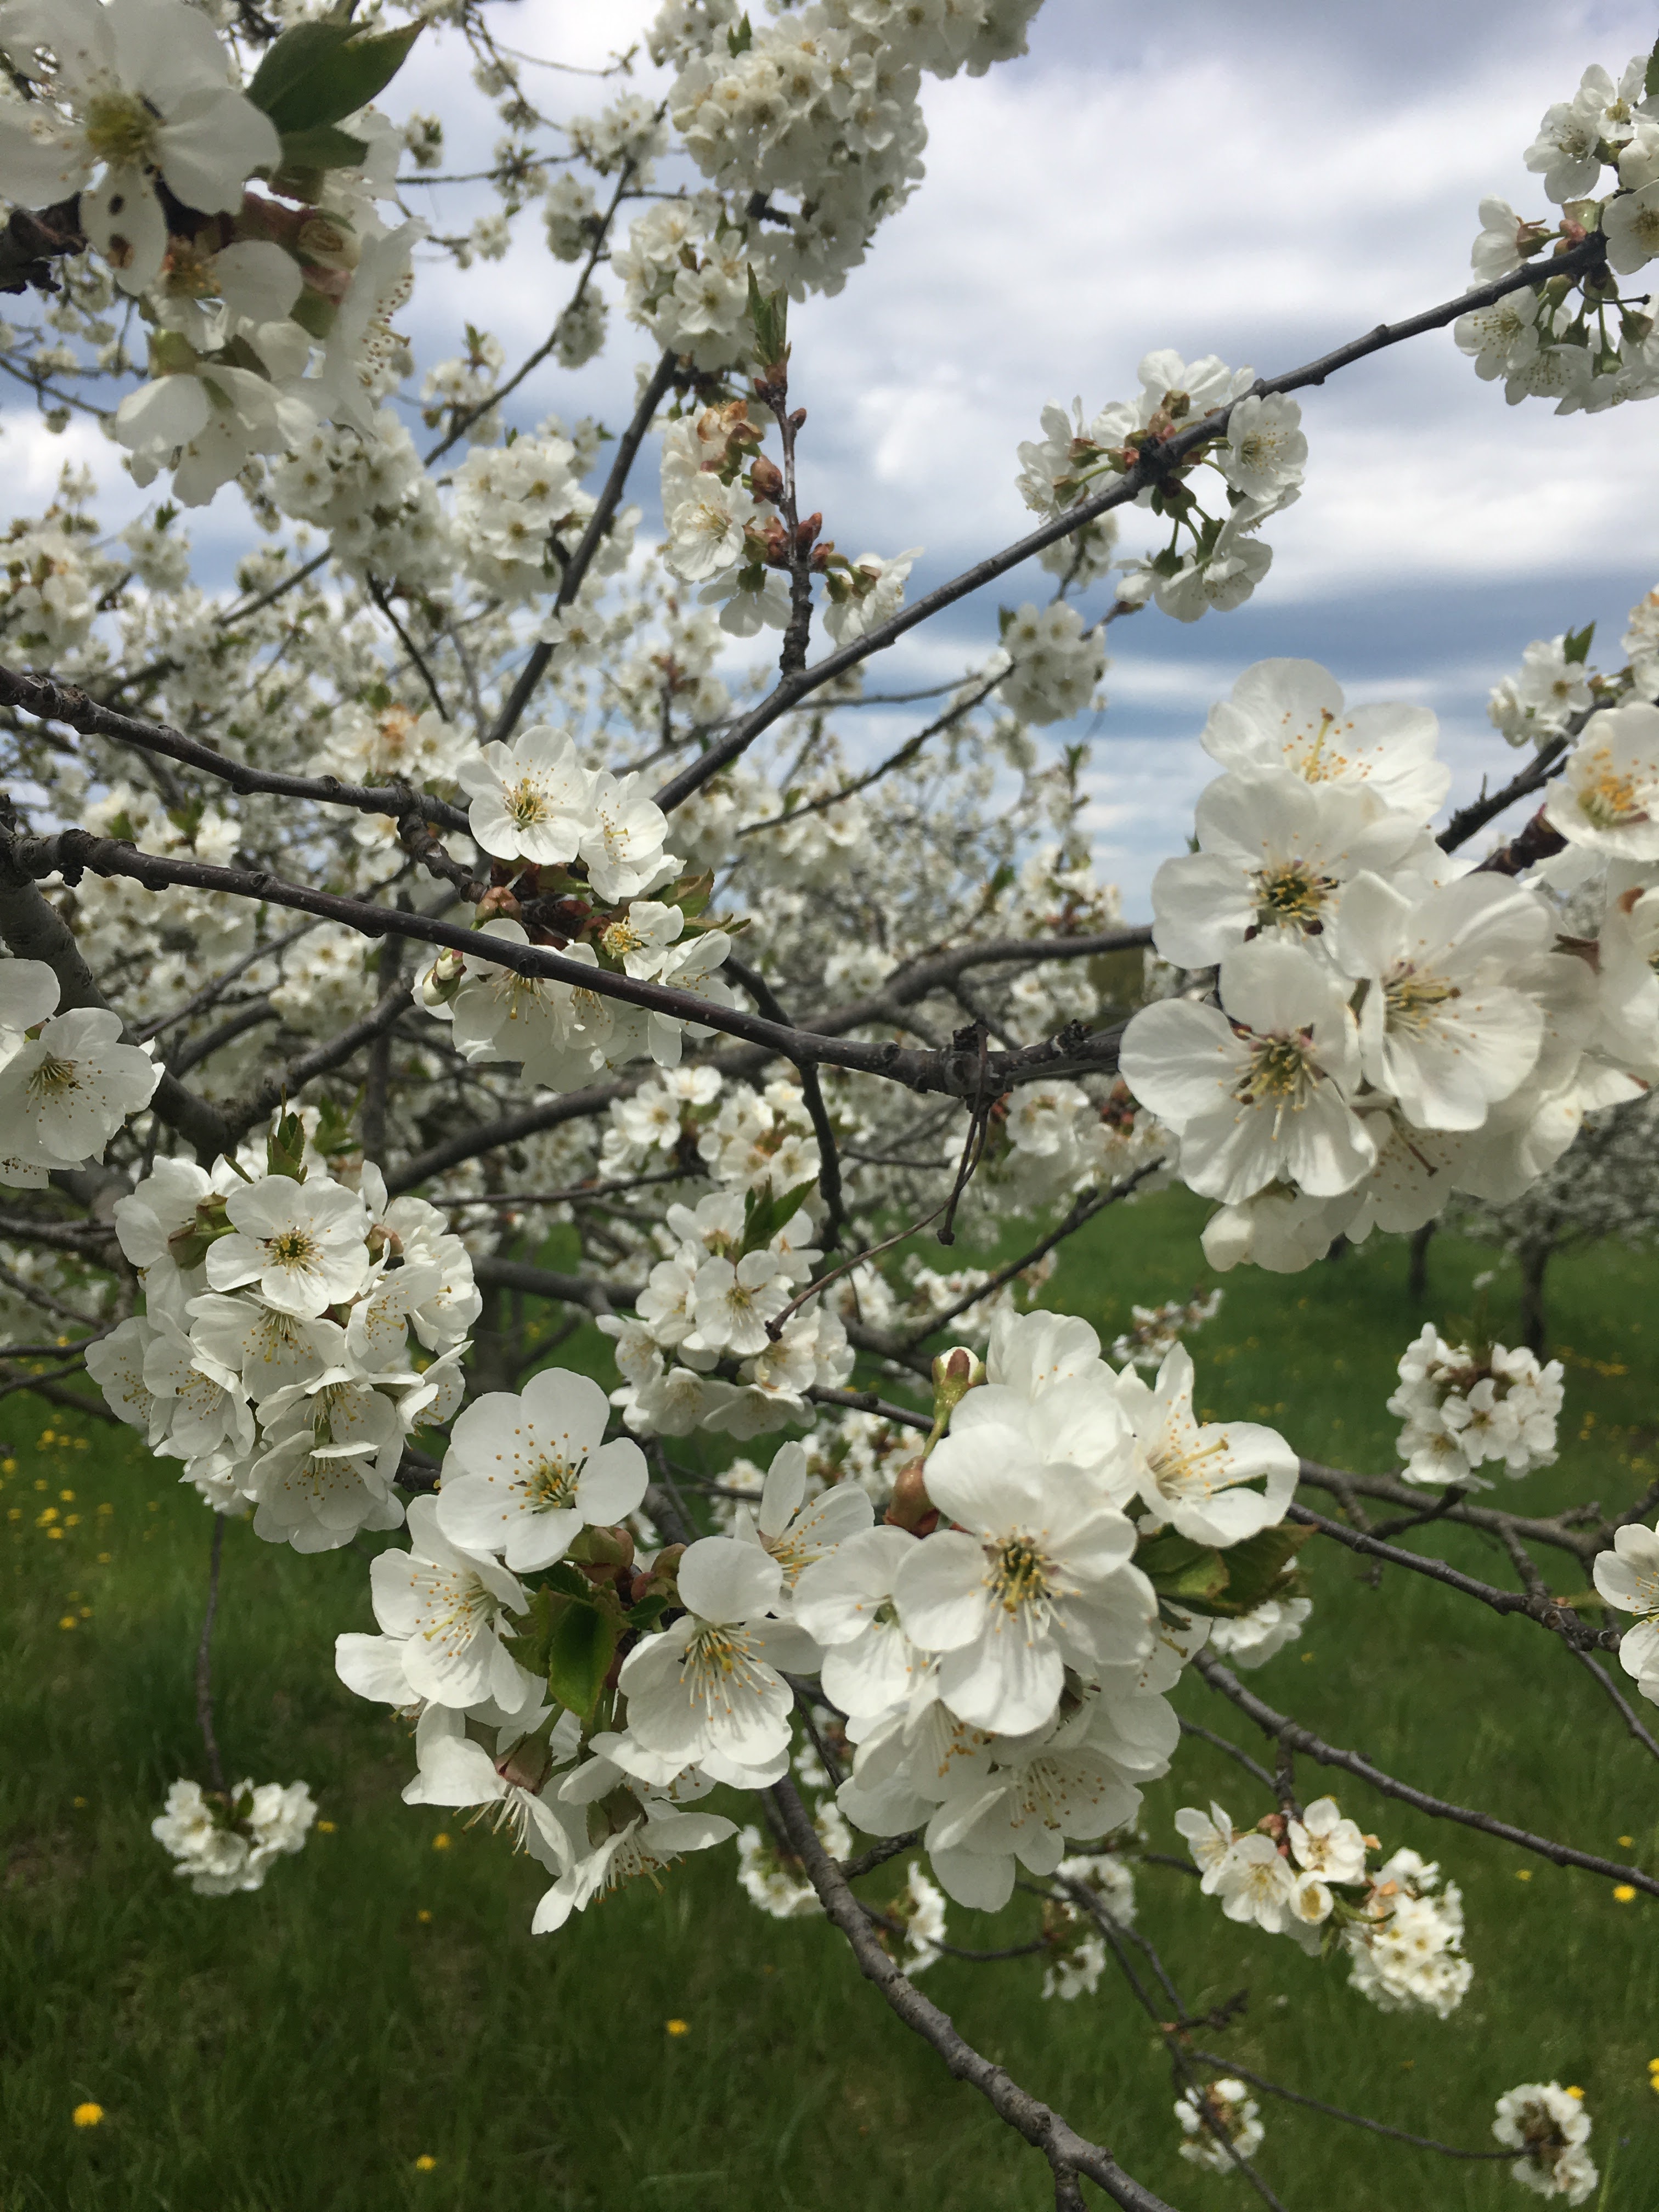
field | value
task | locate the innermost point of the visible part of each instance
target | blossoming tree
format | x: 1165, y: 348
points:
x: 453, y: 877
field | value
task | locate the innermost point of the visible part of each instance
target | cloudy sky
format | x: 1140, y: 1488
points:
x: 1261, y: 183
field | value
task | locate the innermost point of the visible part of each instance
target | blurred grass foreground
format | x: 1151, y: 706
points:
x: 377, y: 2028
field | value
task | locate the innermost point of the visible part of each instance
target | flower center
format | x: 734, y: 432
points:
x: 1608, y: 800
x: 1019, y: 1574
x: 1280, y: 1073
x: 717, y: 1668
x: 552, y: 1487
x: 291, y: 1248
x: 1294, y: 892
x: 54, y: 1077
x: 524, y: 803
x: 1413, y: 1001
x: 456, y: 1606
x: 1189, y: 1471
x: 120, y: 129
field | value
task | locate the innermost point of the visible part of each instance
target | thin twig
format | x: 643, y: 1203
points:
x: 204, y: 1659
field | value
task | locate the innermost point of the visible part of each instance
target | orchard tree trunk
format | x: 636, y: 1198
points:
x: 1534, y: 1261
x: 1417, y: 1273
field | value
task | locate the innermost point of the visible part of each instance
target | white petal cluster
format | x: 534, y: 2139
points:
x: 274, y: 1357
x: 1257, y: 1636
x: 1537, y: 703
x: 1627, y: 1577
x: 709, y: 1306
x: 1157, y: 1330
x: 67, y: 1080
x: 1260, y: 453
x: 1586, y: 352
x: 1075, y: 1967
x: 1462, y: 1408
x: 1054, y: 663
x: 1212, y: 2118
x: 1406, y: 1947
x: 510, y: 504
x: 1549, y: 2126
x: 1388, y: 1026
x: 1308, y: 1878
x: 220, y: 1844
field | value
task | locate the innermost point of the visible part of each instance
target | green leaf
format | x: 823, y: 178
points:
x: 771, y: 316
x: 318, y: 72
x: 578, y: 1655
x: 740, y: 39
x: 1257, y: 1568
x: 1577, y: 643
x: 285, y: 1149
x: 1650, y: 83
x: 1192, y: 1575
x: 322, y: 147
x: 763, y: 1217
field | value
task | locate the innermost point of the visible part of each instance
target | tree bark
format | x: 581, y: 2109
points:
x: 1416, y: 1276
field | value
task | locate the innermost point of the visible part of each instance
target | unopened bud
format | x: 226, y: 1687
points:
x: 956, y: 1373
x: 910, y: 1507
x: 606, y: 1547
x: 442, y: 979
x: 498, y: 901
x: 765, y: 479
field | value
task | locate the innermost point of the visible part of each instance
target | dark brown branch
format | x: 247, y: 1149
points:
x: 1536, y: 1606
x: 581, y: 559
x: 1150, y: 471
x: 1336, y: 2112
x: 1067, y: 2152
x: 1554, y: 1532
x: 1620, y: 1703
x: 63, y: 702
x: 1282, y: 1728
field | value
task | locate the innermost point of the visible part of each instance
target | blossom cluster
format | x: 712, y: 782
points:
x: 1463, y: 1407
x: 1221, y: 2123
x: 273, y: 1356
x: 1258, y: 452
x: 1388, y: 1024
x: 230, y: 1842
x: 249, y: 242
x: 577, y: 850
x: 995, y: 1647
x: 1155, y: 1331
x: 1307, y: 1877
x: 1549, y: 2126
x: 68, y: 1081
x: 1585, y: 342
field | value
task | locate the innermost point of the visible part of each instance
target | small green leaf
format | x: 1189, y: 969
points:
x: 1650, y: 83
x: 285, y: 1149
x: 1191, y: 1575
x: 771, y: 316
x: 1576, y: 644
x: 763, y: 1217
x: 740, y: 38
x: 578, y: 1655
x: 318, y: 72
x: 321, y: 146
x: 1257, y: 1568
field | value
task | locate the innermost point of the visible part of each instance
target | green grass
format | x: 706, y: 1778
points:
x: 301, y: 2047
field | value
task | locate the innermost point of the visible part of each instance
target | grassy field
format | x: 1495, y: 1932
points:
x: 377, y: 2029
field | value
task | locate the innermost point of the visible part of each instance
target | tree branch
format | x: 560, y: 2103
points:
x: 1067, y: 2152
x: 1282, y: 1728
x: 1146, y: 476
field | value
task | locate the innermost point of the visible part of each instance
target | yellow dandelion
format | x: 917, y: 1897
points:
x: 81, y: 1804
x: 69, y: 1621
x: 1625, y: 1894
x: 87, y: 2115
x: 8, y: 1467
x: 1573, y: 2090
x: 1524, y: 1874
x: 677, y: 2027
x: 425, y: 2163
x: 1625, y: 1842
x: 325, y: 1828
x: 423, y: 1916
x: 1307, y: 1658
x: 441, y: 1841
